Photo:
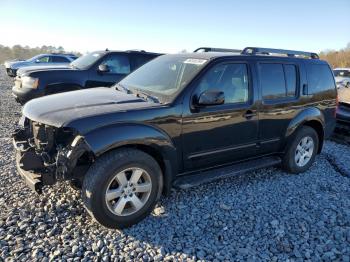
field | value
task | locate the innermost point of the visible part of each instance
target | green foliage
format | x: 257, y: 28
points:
x: 25, y: 52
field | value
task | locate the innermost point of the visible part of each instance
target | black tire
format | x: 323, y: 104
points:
x: 288, y: 162
x: 101, y: 173
x: 76, y: 184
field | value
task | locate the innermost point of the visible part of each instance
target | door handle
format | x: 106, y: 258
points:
x: 249, y: 114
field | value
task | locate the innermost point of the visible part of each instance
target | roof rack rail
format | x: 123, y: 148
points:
x: 214, y: 49
x: 136, y: 50
x: 63, y: 53
x: 268, y: 51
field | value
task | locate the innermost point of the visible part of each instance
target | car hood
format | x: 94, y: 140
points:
x: 8, y: 63
x: 60, y: 109
x: 18, y: 64
x: 29, y: 69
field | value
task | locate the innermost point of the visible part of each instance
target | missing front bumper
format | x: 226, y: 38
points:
x: 39, y: 169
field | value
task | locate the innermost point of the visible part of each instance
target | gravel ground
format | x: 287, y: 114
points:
x: 266, y: 215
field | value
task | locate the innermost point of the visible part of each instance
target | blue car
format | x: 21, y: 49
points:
x: 39, y: 60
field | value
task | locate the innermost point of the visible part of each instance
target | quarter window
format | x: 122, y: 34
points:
x: 278, y: 81
x: 320, y: 78
x: 232, y: 79
x: 117, y: 64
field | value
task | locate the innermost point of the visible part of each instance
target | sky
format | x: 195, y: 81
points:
x: 172, y: 26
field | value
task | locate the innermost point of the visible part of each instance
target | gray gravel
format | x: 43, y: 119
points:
x: 266, y: 215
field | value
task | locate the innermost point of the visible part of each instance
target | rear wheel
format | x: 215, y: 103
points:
x: 301, y: 152
x: 121, y: 188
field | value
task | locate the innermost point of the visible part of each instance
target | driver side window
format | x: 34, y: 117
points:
x: 232, y: 79
x: 44, y: 59
x: 117, y: 64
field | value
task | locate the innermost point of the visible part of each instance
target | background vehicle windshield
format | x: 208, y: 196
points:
x: 165, y: 75
x: 34, y: 58
x: 85, y: 61
x: 342, y: 73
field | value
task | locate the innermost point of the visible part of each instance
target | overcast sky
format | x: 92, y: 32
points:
x: 171, y: 26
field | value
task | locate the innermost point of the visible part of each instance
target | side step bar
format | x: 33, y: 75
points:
x: 196, y: 179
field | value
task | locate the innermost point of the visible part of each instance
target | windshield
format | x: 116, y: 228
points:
x: 86, y: 61
x: 342, y: 73
x: 164, y: 76
x: 34, y: 58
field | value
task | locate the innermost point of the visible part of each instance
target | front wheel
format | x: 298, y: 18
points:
x: 301, y: 152
x: 121, y: 187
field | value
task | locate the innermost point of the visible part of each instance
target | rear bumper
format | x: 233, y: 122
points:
x: 343, y: 112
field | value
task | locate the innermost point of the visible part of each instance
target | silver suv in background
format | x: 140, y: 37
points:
x: 342, y: 77
x: 39, y: 60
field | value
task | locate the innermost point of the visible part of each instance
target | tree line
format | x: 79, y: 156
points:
x: 339, y: 58
x: 25, y: 52
x: 336, y: 58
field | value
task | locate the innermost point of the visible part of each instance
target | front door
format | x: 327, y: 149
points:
x: 118, y: 67
x: 224, y: 133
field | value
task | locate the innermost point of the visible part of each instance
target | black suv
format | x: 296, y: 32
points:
x: 101, y: 68
x: 179, y: 120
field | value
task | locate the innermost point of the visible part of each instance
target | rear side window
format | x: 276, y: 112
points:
x: 141, y: 60
x: 320, y: 78
x: 278, y: 81
x: 59, y: 59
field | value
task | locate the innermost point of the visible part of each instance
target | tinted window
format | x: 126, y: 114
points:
x: 141, y: 60
x: 59, y: 59
x: 272, y: 81
x: 291, y: 79
x: 278, y: 81
x: 117, y: 64
x: 232, y: 79
x: 320, y: 78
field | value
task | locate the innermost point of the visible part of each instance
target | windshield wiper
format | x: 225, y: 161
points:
x: 73, y: 66
x: 146, y: 96
x: 123, y: 88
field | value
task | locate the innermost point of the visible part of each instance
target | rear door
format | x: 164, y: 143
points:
x: 119, y: 67
x: 279, y: 83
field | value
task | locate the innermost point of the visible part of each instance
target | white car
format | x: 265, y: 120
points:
x: 342, y: 77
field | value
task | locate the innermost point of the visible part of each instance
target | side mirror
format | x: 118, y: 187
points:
x: 103, y: 68
x: 211, y: 98
x: 37, y: 61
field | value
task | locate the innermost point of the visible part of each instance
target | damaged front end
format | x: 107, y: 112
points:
x: 46, y: 155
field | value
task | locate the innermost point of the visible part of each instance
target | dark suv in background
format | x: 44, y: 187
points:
x: 179, y: 120
x: 52, y: 59
x: 101, y: 68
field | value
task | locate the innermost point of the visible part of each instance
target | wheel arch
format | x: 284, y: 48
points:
x: 145, y: 138
x: 312, y: 117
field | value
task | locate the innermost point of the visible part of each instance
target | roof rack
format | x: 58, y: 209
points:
x: 136, y: 50
x: 268, y: 51
x: 66, y: 54
x: 214, y: 49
